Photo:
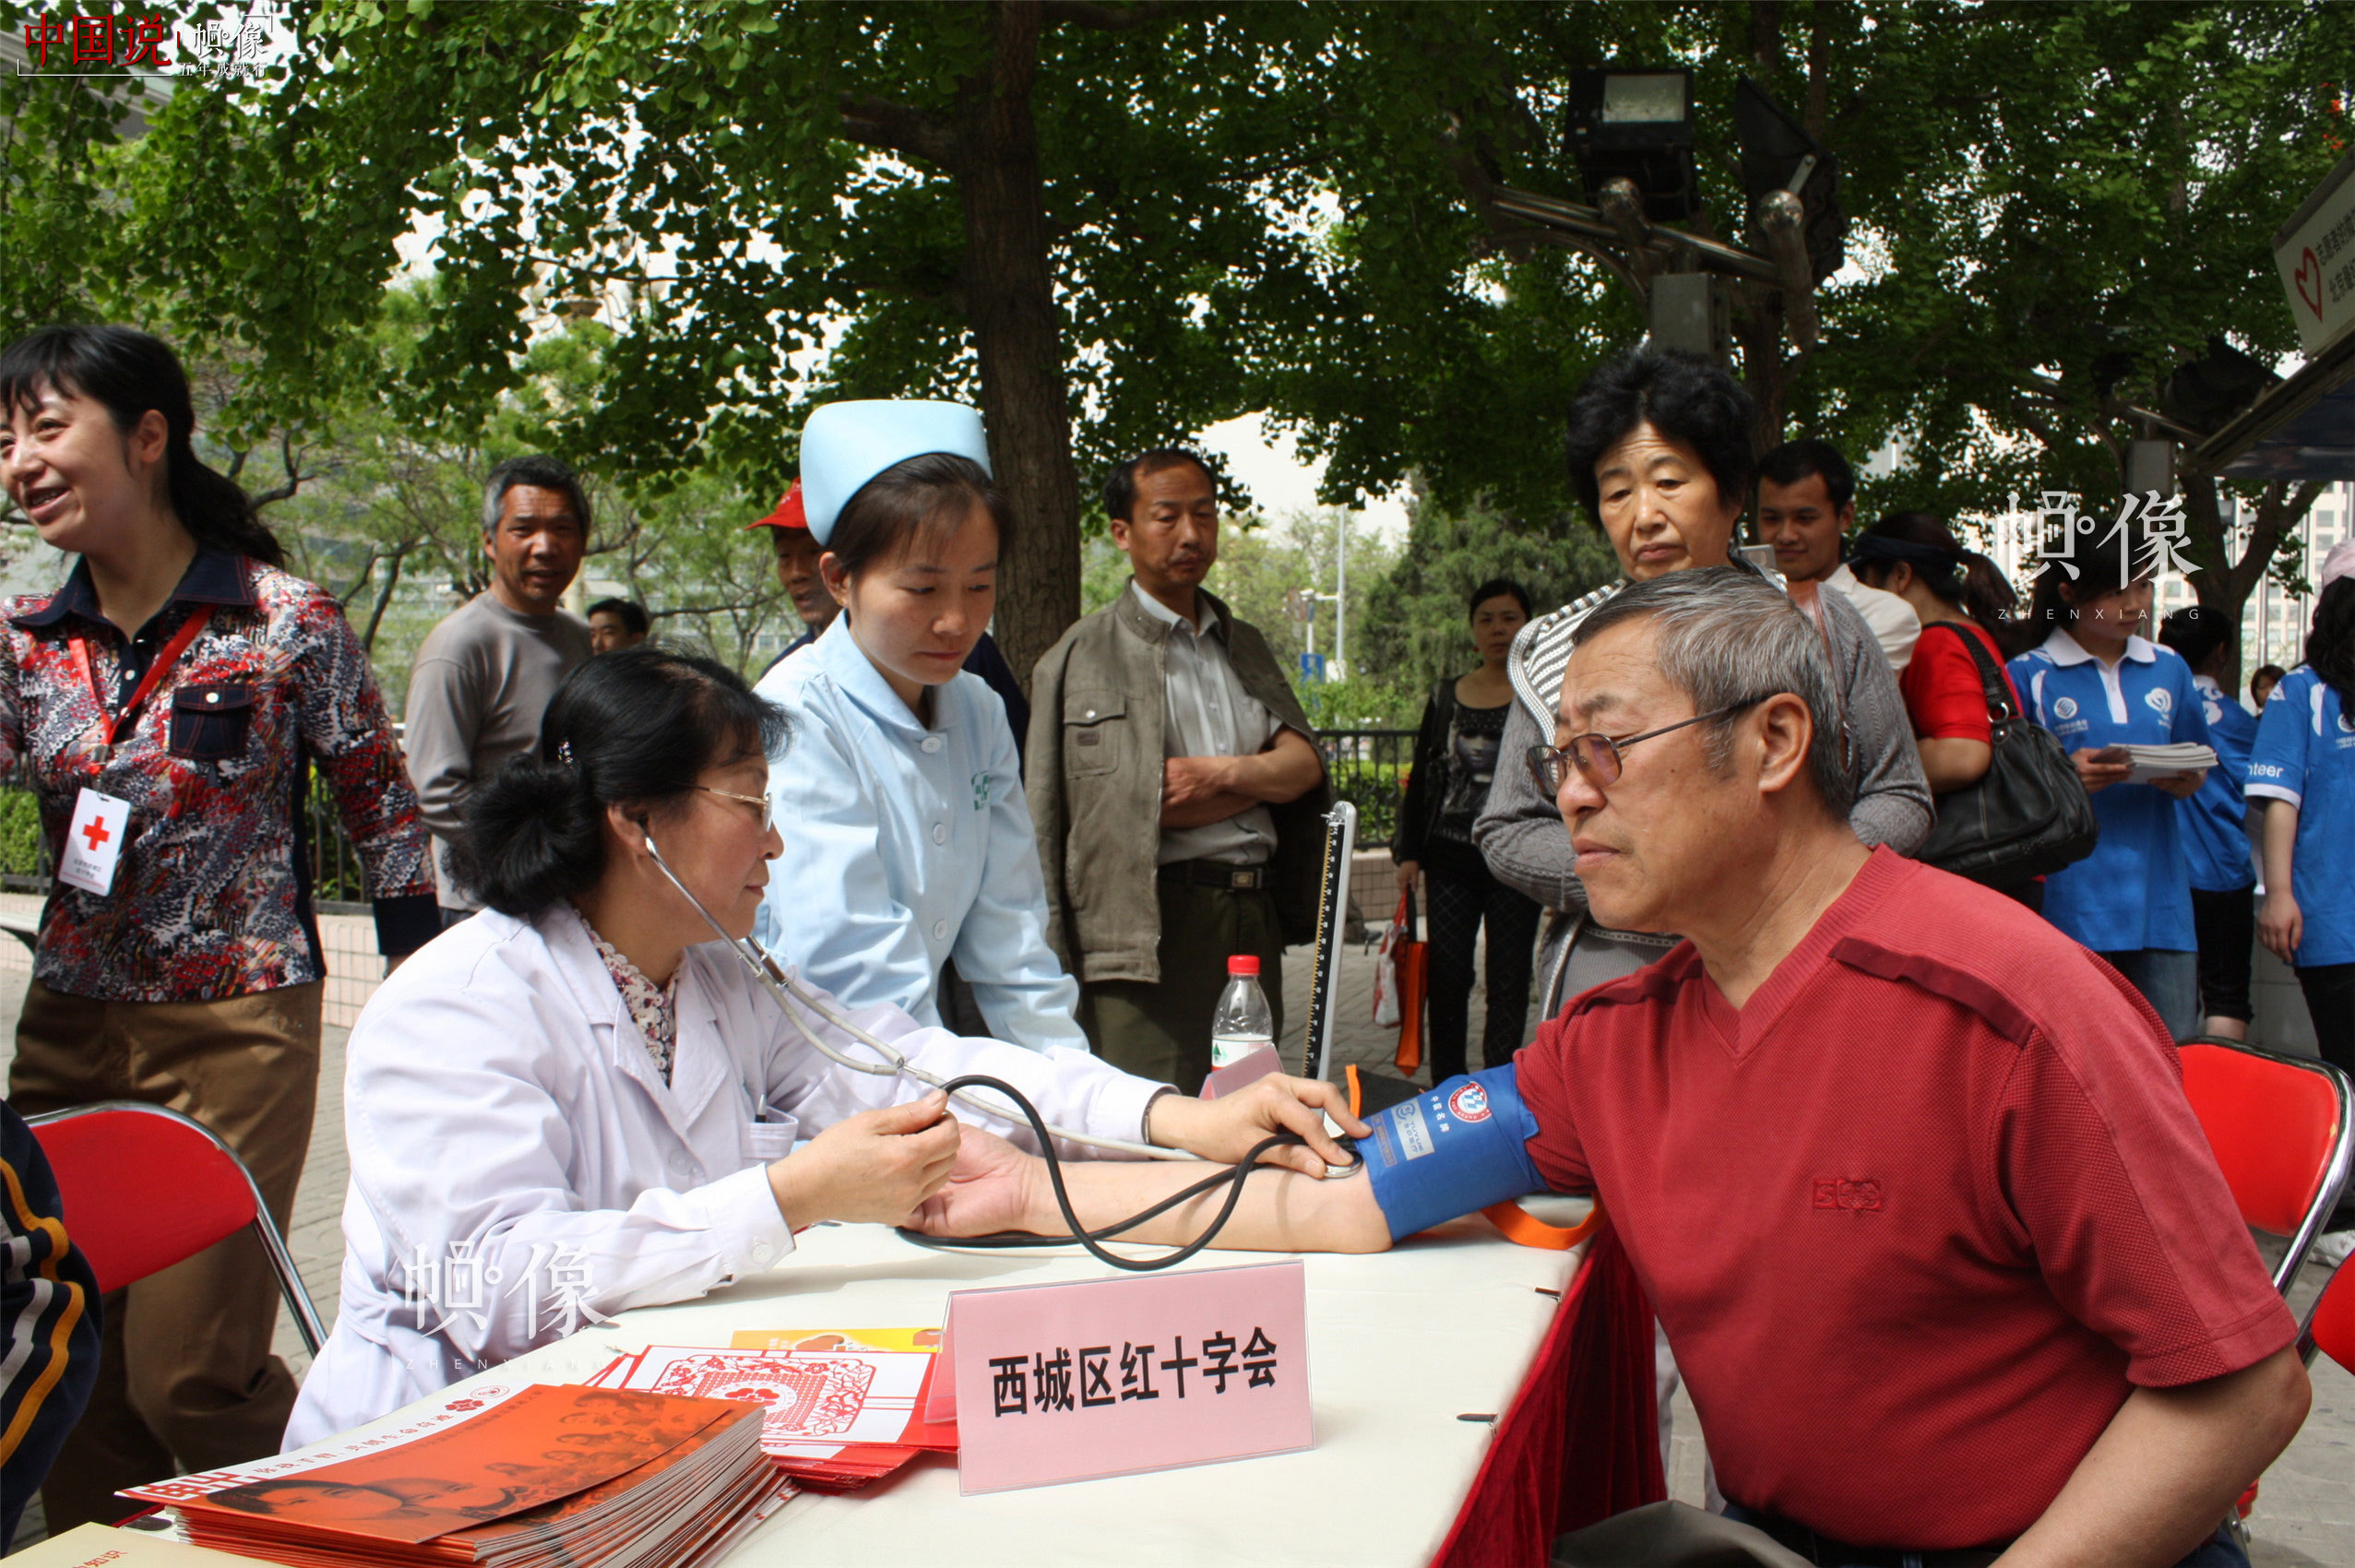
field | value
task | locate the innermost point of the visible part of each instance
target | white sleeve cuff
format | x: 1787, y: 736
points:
x: 751, y: 1233
x: 1119, y: 1110
x: 2272, y: 792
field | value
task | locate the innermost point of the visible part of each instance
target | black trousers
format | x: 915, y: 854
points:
x: 1460, y: 900
x: 2224, y: 925
x: 2330, y: 1001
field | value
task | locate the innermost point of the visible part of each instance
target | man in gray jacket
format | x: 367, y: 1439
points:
x: 1175, y: 786
x: 482, y: 679
x: 1659, y: 455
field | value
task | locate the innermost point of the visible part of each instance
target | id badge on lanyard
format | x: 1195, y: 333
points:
x: 101, y: 821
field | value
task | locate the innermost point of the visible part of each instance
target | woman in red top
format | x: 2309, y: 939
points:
x: 1914, y: 555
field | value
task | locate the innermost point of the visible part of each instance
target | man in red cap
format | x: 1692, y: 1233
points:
x: 797, y: 554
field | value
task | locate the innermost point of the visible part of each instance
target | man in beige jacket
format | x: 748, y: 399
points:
x: 1175, y: 786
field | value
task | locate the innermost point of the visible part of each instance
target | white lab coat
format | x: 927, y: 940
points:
x: 503, y: 1114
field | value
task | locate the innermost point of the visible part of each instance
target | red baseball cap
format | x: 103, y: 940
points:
x: 789, y: 513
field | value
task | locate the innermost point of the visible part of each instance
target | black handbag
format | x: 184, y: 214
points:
x: 2030, y: 815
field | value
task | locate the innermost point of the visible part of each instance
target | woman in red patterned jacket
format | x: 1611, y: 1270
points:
x: 168, y: 704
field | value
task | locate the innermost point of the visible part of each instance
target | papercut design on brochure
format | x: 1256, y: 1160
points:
x: 809, y: 1396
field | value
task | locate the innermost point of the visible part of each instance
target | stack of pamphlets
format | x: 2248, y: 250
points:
x: 839, y: 1412
x: 2157, y: 762
x: 561, y: 1475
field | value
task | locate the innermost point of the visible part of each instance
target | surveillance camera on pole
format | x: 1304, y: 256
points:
x: 1630, y: 132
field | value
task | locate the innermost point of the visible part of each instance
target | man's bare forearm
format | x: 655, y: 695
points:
x: 1208, y: 809
x: 2168, y: 1469
x: 1281, y: 1211
x: 1287, y: 770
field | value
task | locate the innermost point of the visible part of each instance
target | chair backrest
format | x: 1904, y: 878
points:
x: 144, y: 1187
x: 2278, y: 1125
x: 2330, y: 1327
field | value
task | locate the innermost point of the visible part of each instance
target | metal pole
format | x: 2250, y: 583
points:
x: 1341, y: 595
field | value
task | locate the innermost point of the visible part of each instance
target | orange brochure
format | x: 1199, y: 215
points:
x: 546, y: 1443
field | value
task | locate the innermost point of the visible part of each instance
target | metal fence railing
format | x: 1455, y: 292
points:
x: 1369, y: 769
x: 337, y: 885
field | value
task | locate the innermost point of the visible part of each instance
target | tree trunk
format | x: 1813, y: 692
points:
x: 2221, y: 584
x: 1766, y: 375
x: 1010, y: 305
x: 384, y: 599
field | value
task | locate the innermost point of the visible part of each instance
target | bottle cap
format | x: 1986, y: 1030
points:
x: 1244, y: 964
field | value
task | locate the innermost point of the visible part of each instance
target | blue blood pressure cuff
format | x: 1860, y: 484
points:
x: 1451, y: 1150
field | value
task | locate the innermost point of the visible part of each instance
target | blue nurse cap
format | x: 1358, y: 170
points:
x: 845, y: 445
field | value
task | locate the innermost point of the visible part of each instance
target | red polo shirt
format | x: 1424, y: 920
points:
x: 1917, y: 1218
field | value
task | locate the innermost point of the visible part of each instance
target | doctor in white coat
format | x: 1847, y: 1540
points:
x: 916, y: 844
x: 565, y: 1106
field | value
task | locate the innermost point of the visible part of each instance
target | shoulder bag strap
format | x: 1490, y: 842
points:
x: 2000, y: 709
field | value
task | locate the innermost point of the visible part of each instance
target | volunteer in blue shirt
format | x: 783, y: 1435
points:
x: 2302, y: 769
x: 2098, y: 684
x: 910, y: 840
x: 2215, y: 824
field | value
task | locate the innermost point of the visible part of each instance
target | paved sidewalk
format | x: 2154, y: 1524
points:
x: 2305, y: 1515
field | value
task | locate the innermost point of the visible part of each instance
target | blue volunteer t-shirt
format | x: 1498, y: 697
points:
x: 2135, y: 890
x: 2306, y: 755
x: 2215, y: 833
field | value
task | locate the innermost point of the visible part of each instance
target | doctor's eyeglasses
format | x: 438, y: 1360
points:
x: 1596, y: 755
x: 759, y: 803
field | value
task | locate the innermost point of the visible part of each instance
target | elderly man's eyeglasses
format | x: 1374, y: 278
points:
x: 759, y: 802
x: 1596, y: 755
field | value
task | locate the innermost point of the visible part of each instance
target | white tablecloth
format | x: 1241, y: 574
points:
x: 1400, y: 1345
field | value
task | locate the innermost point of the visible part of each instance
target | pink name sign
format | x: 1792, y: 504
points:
x: 1110, y: 1377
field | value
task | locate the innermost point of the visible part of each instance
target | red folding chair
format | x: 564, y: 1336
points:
x: 145, y: 1187
x: 2330, y: 1321
x: 2283, y: 1129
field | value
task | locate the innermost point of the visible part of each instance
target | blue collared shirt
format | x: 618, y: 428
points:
x: 2216, y: 834
x: 906, y: 845
x: 2306, y: 755
x: 2135, y: 891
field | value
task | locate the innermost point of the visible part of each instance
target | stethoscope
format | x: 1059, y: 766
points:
x: 795, y: 1000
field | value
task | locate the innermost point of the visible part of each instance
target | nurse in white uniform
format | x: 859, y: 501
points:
x: 913, y: 841
x: 567, y: 1094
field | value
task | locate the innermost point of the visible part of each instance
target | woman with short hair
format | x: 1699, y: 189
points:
x: 1660, y: 457
x: 580, y: 1093
x: 2100, y: 685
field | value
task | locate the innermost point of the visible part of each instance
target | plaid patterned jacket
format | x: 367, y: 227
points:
x: 212, y: 895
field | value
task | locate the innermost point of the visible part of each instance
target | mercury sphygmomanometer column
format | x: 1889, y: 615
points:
x: 1332, y: 909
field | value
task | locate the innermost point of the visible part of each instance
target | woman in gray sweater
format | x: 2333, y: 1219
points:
x: 1659, y: 455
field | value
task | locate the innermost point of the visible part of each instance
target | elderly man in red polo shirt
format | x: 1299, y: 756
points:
x: 1909, y: 1176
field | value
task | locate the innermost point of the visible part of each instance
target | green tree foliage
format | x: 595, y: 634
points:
x: 1060, y: 211
x: 1419, y: 625
x: 2054, y: 206
x: 1114, y: 224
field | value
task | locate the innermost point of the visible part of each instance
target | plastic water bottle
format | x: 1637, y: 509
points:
x: 1243, y: 1022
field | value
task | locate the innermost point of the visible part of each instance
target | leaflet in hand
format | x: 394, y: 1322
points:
x: 2157, y: 762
